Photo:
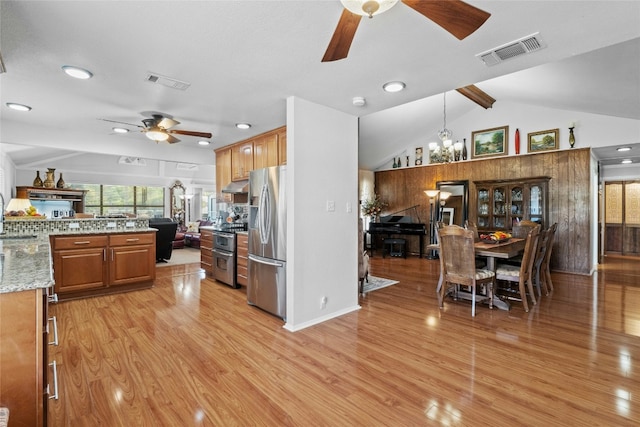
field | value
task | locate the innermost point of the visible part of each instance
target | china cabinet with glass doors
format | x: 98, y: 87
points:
x: 501, y: 204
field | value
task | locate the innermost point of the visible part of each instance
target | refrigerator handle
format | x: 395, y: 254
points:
x: 262, y: 261
x: 264, y: 215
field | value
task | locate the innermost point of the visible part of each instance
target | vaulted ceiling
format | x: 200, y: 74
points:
x: 242, y: 59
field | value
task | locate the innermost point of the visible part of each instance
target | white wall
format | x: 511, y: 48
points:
x: 591, y: 130
x: 322, y: 167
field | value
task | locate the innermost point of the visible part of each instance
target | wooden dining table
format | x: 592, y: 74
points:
x: 492, y: 251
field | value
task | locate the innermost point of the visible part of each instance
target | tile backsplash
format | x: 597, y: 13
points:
x: 47, y: 226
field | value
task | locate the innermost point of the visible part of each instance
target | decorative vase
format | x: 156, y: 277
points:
x: 572, y: 137
x: 517, y: 141
x: 38, y: 181
x: 49, y: 181
x: 464, y: 148
x: 60, y: 183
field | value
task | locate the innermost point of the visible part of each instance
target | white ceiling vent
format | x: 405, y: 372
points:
x: 510, y: 50
x: 133, y: 161
x: 167, y: 81
x: 187, y: 167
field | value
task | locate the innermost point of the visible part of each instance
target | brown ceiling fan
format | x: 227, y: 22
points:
x: 457, y: 17
x: 158, y: 128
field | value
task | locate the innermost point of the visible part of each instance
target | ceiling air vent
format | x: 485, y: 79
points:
x: 167, y: 81
x: 510, y: 50
x: 133, y: 161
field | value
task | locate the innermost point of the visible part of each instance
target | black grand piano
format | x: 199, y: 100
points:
x: 394, y: 225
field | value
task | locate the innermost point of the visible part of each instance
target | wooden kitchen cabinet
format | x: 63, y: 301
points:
x: 223, y: 173
x: 242, y: 259
x: 265, y: 151
x: 206, y: 251
x: 96, y: 264
x: 282, y: 145
x: 133, y: 258
x: 501, y: 204
x: 79, y: 263
x: 23, y: 357
x: 241, y: 160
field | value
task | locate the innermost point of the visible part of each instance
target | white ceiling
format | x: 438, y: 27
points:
x: 244, y: 58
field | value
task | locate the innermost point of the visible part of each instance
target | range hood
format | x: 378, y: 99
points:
x: 237, y: 187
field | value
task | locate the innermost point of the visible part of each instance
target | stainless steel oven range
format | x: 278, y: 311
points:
x: 224, y: 257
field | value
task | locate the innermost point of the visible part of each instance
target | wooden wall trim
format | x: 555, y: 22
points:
x: 569, y: 195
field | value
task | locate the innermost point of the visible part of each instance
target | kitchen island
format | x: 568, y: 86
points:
x: 38, y: 257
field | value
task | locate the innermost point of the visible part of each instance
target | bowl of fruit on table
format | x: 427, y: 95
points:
x: 495, y: 237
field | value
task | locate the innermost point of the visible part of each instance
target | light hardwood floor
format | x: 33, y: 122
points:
x: 191, y: 352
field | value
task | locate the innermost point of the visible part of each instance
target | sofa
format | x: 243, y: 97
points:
x: 192, y: 234
x: 164, y: 238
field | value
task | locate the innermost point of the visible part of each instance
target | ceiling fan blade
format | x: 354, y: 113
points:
x: 122, y: 123
x: 172, y: 139
x: 342, y: 37
x: 190, y: 133
x: 166, y: 123
x: 457, y: 17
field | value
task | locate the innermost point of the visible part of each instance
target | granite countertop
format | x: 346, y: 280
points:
x: 25, y: 263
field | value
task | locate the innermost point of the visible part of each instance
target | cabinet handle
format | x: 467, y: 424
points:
x: 132, y: 240
x: 206, y: 263
x: 53, y: 298
x: 54, y: 320
x: 55, y: 381
x: 112, y: 255
x: 104, y: 255
x: 82, y: 242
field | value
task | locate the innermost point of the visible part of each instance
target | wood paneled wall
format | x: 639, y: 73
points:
x: 569, y: 195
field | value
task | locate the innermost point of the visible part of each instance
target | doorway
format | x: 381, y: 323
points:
x: 622, y: 217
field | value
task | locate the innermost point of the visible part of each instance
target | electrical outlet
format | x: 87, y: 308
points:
x: 348, y: 207
x: 323, y: 303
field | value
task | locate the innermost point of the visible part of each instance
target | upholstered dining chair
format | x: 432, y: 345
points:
x: 522, y: 274
x: 457, y: 260
x: 470, y: 225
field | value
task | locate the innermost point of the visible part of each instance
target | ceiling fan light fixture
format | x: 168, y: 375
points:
x: 393, y: 87
x: 157, y: 135
x: 18, y: 107
x: 77, y: 72
x: 368, y: 7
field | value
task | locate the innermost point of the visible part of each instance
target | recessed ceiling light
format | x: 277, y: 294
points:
x: 393, y: 86
x: 243, y: 125
x: 624, y: 148
x: 18, y: 107
x: 203, y: 142
x: 120, y: 130
x: 626, y: 161
x: 76, y: 72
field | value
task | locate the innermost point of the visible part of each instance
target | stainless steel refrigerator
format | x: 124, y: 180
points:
x: 268, y: 240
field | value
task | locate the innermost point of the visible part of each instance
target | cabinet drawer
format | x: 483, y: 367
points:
x: 79, y: 242
x: 131, y: 239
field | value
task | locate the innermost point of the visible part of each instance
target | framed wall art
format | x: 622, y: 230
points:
x: 490, y: 142
x: 543, y: 141
x: 418, y: 156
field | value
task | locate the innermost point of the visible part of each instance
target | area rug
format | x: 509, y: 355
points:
x: 376, y: 283
x: 181, y: 256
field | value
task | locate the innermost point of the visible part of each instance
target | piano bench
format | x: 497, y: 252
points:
x: 395, y: 247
